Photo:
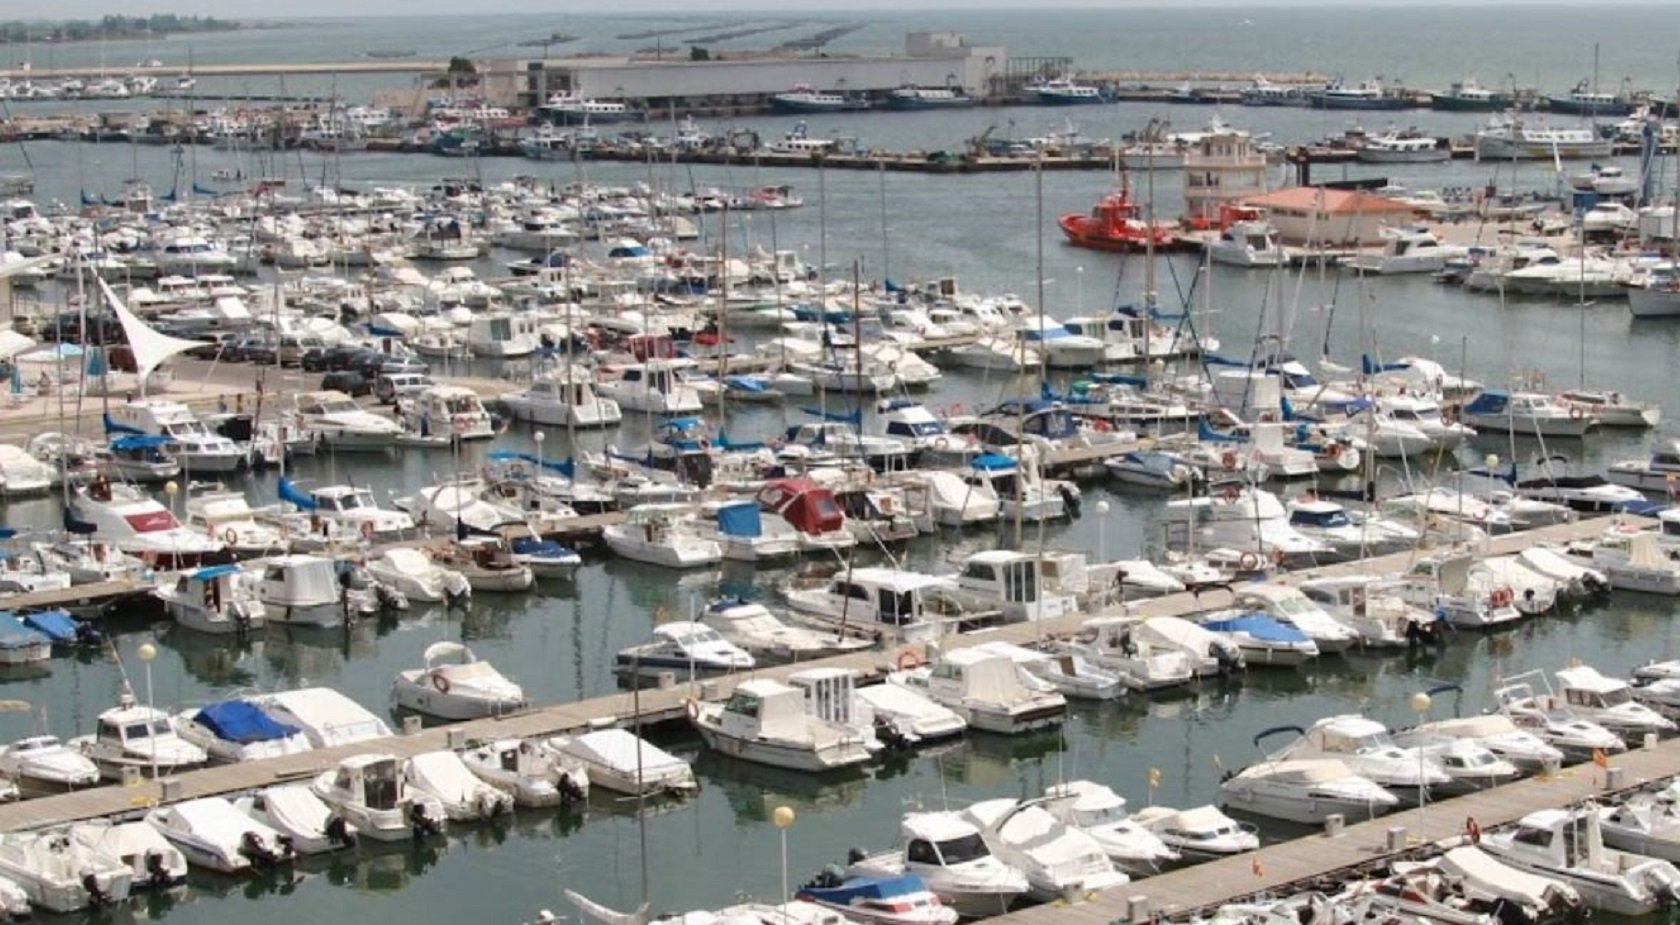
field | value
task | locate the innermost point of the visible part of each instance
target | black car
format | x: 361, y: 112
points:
x: 374, y: 363
x: 346, y: 356
x: 348, y: 381
x: 215, y: 345
x: 253, y: 348
x: 314, y: 360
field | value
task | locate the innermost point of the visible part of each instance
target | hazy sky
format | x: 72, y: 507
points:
x: 10, y: 9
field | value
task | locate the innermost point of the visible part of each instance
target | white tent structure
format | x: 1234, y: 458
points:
x: 150, y: 346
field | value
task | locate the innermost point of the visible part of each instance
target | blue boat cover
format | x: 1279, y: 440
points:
x: 1490, y: 401
x: 15, y: 635
x: 138, y: 442
x: 112, y: 427
x: 993, y: 462
x: 290, y: 493
x: 541, y: 548
x: 56, y: 625
x: 740, y: 519
x: 866, y: 888
x: 1259, y: 626
x: 240, y: 721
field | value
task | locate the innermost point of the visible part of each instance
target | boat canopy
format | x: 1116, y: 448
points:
x: 740, y: 518
x: 57, y: 625
x: 243, y: 722
x: 808, y: 506
x: 1260, y: 627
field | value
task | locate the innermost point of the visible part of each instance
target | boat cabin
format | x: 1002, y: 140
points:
x: 764, y: 709
x: 373, y: 781
x: 300, y: 581
x: 808, y: 506
x: 1012, y: 582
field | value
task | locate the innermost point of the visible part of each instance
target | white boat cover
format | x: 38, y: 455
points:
x: 1482, y: 874
x: 444, y: 775
x: 295, y: 808
x: 594, y: 910
x: 616, y: 749
x: 1557, y: 566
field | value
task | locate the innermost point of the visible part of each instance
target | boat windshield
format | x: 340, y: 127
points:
x: 1087, y: 818
x: 961, y: 850
x: 144, y: 731
x: 1293, y: 606
x: 380, y: 787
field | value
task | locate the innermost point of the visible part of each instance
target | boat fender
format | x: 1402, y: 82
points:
x: 1277, y: 557
x: 230, y: 537
x: 1249, y: 562
x: 1229, y: 461
x: 907, y: 659
x: 692, y: 706
x: 1472, y: 830
x: 440, y: 682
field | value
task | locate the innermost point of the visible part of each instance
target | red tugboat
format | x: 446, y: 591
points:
x: 1114, y: 225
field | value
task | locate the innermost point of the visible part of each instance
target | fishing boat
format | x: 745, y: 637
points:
x: 1584, y: 100
x: 913, y: 97
x: 765, y: 722
x: 1509, y: 138
x: 1367, y: 94
x: 804, y: 99
x: 1060, y: 91
x: 1469, y: 96
x: 1403, y: 147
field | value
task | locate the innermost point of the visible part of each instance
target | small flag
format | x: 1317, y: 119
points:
x: 1601, y: 759
x: 1254, y: 865
x: 1154, y: 778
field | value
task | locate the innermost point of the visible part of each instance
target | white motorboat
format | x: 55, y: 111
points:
x: 1569, y: 847
x: 228, y: 515
x: 42, y: 764
x: 444, y: 777
x: 1647, y: 823
x: 343, y: 425
x: 948, y: 852
x: 304, y: 822
x: 417, y: 576
x: 155, y: 863
x: 22, y: 475
x: 905, y: 605
x: 531, y: 773
x: 990, y: 692
x: 350, y: 506
x: 214, y: 835
x: 685, y: 649
x: 1609, y: 702
x: 1307, y: 791
x: 488, y: 564
x: 662, y: 534
x: 558, y: 401
x: 326, y: 716
x: 60, y: 874
x: 1612, y: 409
x: 1113, y: 644
x: 765, y: 722
x: 1012, y: 584
x: 1067, y: 673
x: 1506, y: 138
x: 1559, y: 726
x: 878, y: 900
x: 907, y: 715
x: 1493, y: 731
x: 1469, y: 766
x: 1407, y: 252
x: 1652, y: 474
x: 132, y: 736
x: 237, y: 730
x: 188, y: 441
x: 217, y: 599
x: 450, y: 412
x: 1632, y: 559
x: 1250, y: 520
x: 654, y: 387
x: 1354, y: 535
x: 1249, y: 243
x: 455, y: 685
x: 137, y: 524
x: 1525, y: 414
x: 1264, y: 640
x: 1366, y: 748
x: 1200, y: 831
x: 1449, y: 586
x: 371, y: 794
x: 621, y: 761
x: 753, y: 627
x: 1289, y: 606
x: 304, y: 590
x: 1058, y: 859
x: 1375, y: 608
x: 1099, y: 812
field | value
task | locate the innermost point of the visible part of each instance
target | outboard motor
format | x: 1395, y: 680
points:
x: 856, y: 855
x: 1069, y: 498
x: 338, y: 832
x: 890, y: 735
x: 422, y: 820
x: 260, y: 855
x: 288, y: 847
x: 570, y: 792
x: 1229, y: 656
x: 87, y: 636
x: 156, y: 873
x: 96, y: 895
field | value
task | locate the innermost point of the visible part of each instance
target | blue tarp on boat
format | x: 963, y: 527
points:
x: 14, y: 634
x: 240, y: 721
x: 741, y: 519
x: 865, y: 888
x: 1259, y: 626
x: 993, y: 462
x: 290, y: 493
x: 56, y: 625
x: 213, y: 572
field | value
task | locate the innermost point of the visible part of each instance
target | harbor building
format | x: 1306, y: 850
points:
x: 930, y: 59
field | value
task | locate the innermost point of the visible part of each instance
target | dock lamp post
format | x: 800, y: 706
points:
x: 782, y: 816
x: 1102, y: 531
x: 539, y: 436
x: 147, y: 653
x: 1421, y: 703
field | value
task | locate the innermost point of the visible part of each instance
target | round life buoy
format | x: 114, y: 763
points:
x: 1575, y: 413
x: 1472, y: 830
x: 230, y: 536
x: 1228, y: 460
x: 440, y: 682
x: 1248, y: 562
x: 367, y: 529
x: 907, y: 659
x: 693, y: 709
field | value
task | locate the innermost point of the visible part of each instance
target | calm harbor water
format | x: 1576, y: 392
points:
x: 560, y: 642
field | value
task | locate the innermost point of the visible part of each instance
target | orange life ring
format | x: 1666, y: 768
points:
x: 1248, y: 562
x: 1472, y: 830
x: 230, y: 536
x: 907, y: 659
x: 440, y: 682
x: 367, y: 529
x: 693, y: 709
x: 1229, y: 460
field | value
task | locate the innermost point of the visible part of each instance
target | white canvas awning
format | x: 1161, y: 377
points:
x: 150, y: 346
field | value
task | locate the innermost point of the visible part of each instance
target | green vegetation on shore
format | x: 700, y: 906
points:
x: 156, y: 25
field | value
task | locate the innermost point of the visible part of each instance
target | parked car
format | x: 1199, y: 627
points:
x: 390, y: 387
x: 314, y: 360
x: 348, y: 381
x: 216, y: 344
x: 343, y: 356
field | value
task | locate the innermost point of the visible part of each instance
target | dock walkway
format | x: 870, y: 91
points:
x: 663, y: 704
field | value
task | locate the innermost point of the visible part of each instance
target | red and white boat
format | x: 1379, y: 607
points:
x: 1114, y: 224
x: 137, y: 524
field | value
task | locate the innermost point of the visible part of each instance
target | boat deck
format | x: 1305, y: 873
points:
x: 667, y: 703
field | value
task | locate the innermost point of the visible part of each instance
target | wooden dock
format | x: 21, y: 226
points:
x: 1300, y: 864
x: 664, y: 704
